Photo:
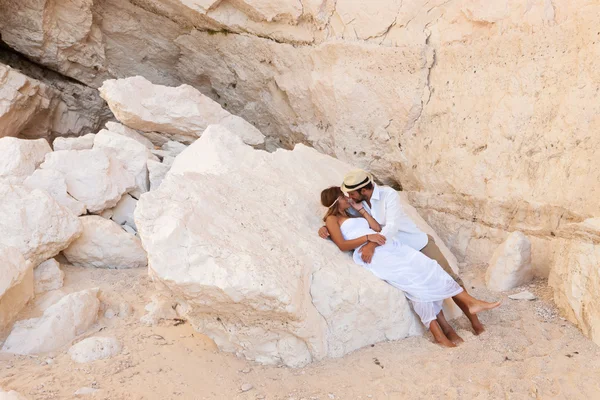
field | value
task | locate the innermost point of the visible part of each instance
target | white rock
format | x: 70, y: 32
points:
x: 59, y: 325
x: 54, y: 183
x: 269, y: 294
x: 157, y: 172
x: 84, y: 142
x: 129, y: 229
x: 84, y: 391
x: 93, y: 177
x: 246, y: 387
x: 130, y: 133
x: 35, y: 223
x: 20, y: 157
x: 123, y: 211
x: 179, y: 110
x: 95, y: 348
x: 174, y: 148
x: 132, y: 154
x: 48, y: 299
x: 104, y: 244
x: 48, y: 276
x: 510, y: 265
x: 160, y: 308
x: 11, y: 395
x: 16, y: 284
x: 125, y: 310
x: 525, y: 295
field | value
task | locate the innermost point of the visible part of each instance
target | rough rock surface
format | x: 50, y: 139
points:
x: 94, y: 348
x: 48, y: 276
x: 243, y: 284
x: 156, y: 173
x: 84, y: 142
x: 104, y: 244
x: 35, y: 223
x: 20, y: 157
x: 93, y: 177
x: 132, y: 154
x: 575, y: 277
x: 16, y: 284
x: 61, y: 323
x: 510, y: 265
x: 181, y: 111
x: 53, y: 182
x: 130, y: 133
x: 122, y: 214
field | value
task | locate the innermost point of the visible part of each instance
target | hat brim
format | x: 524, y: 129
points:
x: 352, y: 188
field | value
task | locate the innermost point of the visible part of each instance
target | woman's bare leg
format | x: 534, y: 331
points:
x: 447, y: 329
x: 439, y: 335
x: 474, y: 305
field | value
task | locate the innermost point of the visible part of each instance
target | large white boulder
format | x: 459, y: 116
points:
x: 94, y: 348
x: 510, y: 265
x: 94, y: 177
x: 48, y: 276
x: 132, y: 154
x: 156, y: 173
x: 35, y: 223
x: 84, y: 142
x: 20, y: 157
x: 122, y: 214
x: 16, y: 284
x: 55, y: 184
x: 182, y: 110
x: 231, y: 234
x: 61, y: 323
x: 104, y: 244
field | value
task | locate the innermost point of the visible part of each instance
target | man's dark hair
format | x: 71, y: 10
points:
x: 368, y: 186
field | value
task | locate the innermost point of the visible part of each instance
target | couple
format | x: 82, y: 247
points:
x: 369, y: 219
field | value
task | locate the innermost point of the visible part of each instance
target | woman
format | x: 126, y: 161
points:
x: 422, y: 280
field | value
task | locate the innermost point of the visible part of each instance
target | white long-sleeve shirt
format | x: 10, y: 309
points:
x: 395, y: 224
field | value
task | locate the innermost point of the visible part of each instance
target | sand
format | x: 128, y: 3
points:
x: 527, y: 352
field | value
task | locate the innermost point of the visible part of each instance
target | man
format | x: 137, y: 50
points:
x: 383, y: 203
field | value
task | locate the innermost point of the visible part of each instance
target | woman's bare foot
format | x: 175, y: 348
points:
x: 477, y: 327
x: 439, y: 336
x: 477, y: 306
x: 454, y: 338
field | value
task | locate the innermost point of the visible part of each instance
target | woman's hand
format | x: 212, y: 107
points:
x: 376, y: 238
x: 355, y: 205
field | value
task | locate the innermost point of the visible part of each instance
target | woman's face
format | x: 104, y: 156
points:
x: 343, y: 202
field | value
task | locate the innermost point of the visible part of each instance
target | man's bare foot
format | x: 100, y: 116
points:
x: 478, y: 306
x: 454, y: 338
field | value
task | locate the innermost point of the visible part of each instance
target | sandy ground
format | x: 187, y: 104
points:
x: 527, y: 352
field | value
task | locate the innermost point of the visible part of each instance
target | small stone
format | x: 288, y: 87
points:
x: 86, y: 391
x: 331, y: 396
x: 260, y: 396
x: 246, y: 387
x: 525, y: 295
x: 246, y: 370
x: 109, y: 313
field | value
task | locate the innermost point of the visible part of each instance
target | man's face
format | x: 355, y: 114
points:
x: 357, y: 196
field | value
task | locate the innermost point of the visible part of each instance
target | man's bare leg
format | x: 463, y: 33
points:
x: 438, y: 335
x: 448, y: 330
x: 432, y: 251
x: 475, y: 305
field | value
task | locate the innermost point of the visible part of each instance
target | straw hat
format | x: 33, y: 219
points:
x: 355, y: 180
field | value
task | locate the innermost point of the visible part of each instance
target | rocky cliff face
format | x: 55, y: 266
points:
x: 484, y: 112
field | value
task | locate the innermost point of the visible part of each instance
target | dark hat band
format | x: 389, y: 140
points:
x: 358, y: 184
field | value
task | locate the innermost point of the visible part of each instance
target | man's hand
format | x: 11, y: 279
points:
x: 323, y: 232
x: 367, y: 251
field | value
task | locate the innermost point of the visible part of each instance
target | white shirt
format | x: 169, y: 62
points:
x: 395, y: 224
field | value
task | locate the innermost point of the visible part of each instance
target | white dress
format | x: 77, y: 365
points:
x: 421, y: 279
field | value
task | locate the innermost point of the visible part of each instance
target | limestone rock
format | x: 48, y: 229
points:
x: 253, y: 292
x: 84, y: 142
x: 48, y: 276
x: 132, y: 154
x: 160, y: 308
x: 130, y: 133
x: 35, y: 223
x: 20, y: 157
x: 173, y: 148
x: 179, y: 110
x: 21, y: 100
x: 11, y: 395
x: 575, y: 278
x: 104, y: 244
x: 61, y: 323
x: 525, y: 295
x: 53, y: 182
x: 93, y: 177
x: 94, y: 348
x: 16, y: 284
x: 510, y: 265
x: 123, y: 211
x: 157, y: 172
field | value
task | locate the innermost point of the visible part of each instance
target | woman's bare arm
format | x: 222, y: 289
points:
x: 336, y: 235
x: 373, y: 224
